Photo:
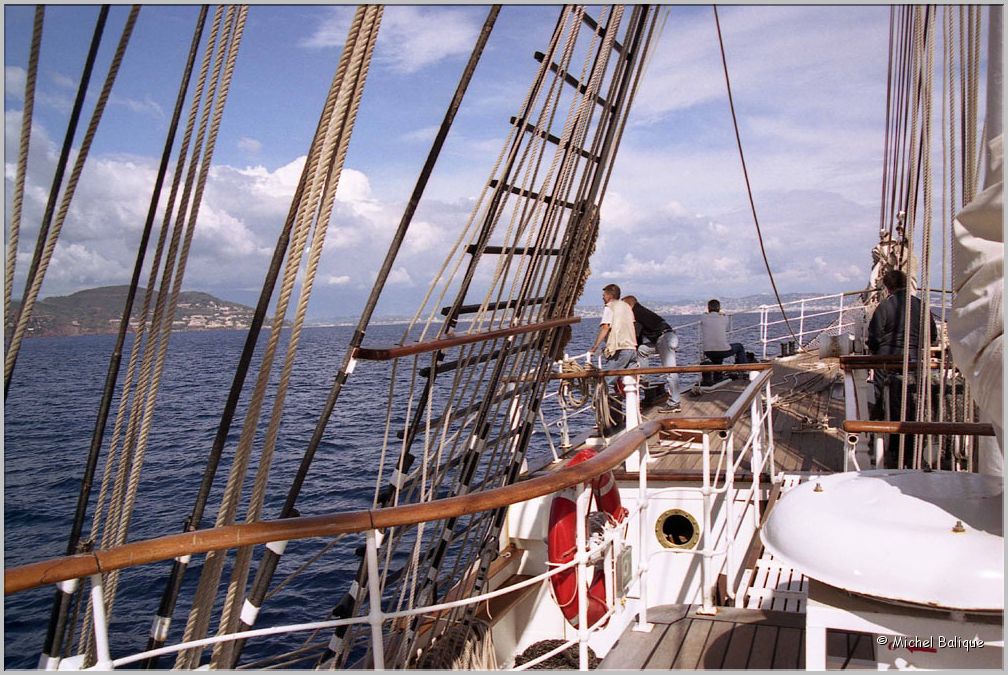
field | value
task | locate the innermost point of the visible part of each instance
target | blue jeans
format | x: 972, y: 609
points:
x: 665, y: 347
x: 623, y: 358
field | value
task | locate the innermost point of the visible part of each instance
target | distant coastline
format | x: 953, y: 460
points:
x: 98, y: 311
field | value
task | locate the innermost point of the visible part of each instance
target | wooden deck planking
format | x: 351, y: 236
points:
x: 716, y: 648
x: 731, y: 639
x: 762, y: 652
x: 693, y: 644
x: 737, y: 654
x: 790, y: 649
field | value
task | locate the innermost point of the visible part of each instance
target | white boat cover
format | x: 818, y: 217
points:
x: 893, y: 535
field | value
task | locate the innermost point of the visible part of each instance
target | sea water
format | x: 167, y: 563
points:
x: 49, y: 418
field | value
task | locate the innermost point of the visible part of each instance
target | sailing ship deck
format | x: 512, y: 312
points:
x: 731, y: 639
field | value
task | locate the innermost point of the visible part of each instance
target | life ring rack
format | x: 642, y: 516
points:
x: 561, y: 544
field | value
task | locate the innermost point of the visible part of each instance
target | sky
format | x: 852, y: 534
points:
x: 809, y: 87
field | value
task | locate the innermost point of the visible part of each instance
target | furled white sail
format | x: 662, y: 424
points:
x: 976, y: 327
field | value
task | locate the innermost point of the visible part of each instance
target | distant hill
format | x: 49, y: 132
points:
x: 98, y: 310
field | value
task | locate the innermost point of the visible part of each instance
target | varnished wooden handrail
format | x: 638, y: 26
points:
x: 719, y: 368
x: 738, y: 408
x: 397, y: 351
x: 51, y: 571
x: 932, y: 428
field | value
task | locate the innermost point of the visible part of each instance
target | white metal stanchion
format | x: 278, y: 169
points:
x: 642, y: 565
x: 103, y: 659
x: 581, y: 541
x: 374, y: 596
x: 705, y: 563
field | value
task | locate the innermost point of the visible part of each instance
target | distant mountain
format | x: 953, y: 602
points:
x: 98, y: 310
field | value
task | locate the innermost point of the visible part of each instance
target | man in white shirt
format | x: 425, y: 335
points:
x: 714, y: 336
x: 617, y: 331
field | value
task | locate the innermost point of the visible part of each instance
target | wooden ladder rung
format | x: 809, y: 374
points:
x: 494, y: 306
x: 513, y: 250
x: 593, y: 24
x: 449, y: 366
x: 396, y: 351
x: 532, y: 195
x: 555, y: 140
x: 572, y: 81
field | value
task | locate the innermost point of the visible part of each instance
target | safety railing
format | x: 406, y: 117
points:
x: 633, y: 442
x: 822, y: 307
x: 755, y: 400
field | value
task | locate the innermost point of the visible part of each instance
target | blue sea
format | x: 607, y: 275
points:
x: 50, y: 414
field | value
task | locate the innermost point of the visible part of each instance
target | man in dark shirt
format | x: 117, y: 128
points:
x: 655, y: 336
x: 886, y: 337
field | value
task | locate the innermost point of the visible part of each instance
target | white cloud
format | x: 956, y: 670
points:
x: 410, y: 39
x: 249, y: 145
x: 400, y: 276
x: 413, y: 38
x: 424, y: 135
x: 147, y: 106
x: 331, y: 30
x: 14, y: 82
x: 333, y: 280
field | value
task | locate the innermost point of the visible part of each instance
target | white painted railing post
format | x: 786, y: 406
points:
x: 374, y: 598
x: 581, y: 542
x: 840, y: 318
x: 730, y: 529
x: 632, y: 414
x: 103, y: 659
x: 756, y: 456
x: 707, y: 588
x: 642, y: 565
x: 769, y: 432
x: 764, y: 327
x: 801, y: 325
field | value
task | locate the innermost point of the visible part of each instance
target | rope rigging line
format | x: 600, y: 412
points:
x: 54, y: 643
x: 28, y: 301
x: 496, y: 450
x: 27, y: 113
x: 745, y: 173
x: 156, y: 346
x: 314, y: 213
x: 347, y: 112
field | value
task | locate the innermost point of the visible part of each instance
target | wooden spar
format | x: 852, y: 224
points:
x: 935, y: 428
x: 888, y: 362
x: 397, y: 351
x: 661, y: 370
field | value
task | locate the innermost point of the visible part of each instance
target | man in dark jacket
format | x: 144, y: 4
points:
x: 886, y: 337
x: 656, y: 336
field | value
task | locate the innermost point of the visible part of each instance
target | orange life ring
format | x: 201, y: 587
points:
x: 561, y: 544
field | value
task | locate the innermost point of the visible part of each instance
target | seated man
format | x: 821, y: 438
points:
x: 656, y: 336
x: 714, y: 336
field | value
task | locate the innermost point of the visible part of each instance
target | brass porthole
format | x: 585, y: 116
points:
x: 677, y: 529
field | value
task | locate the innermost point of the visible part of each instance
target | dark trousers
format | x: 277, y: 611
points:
x: 737, y: 350
x: 893, y: 384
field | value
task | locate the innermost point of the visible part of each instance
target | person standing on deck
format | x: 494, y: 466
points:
x: 886, y: 338
x: 714, y: 336
x: 655, y: 335
x: 617, y: 331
